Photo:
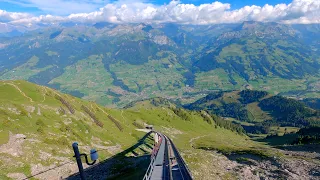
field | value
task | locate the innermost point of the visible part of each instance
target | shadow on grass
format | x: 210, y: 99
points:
x: 120, y: 166
x: 285, y: 142
x: 302, y: 148
x: 276, y: 141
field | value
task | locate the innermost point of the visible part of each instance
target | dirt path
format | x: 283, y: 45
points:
x: 21, y: 92
x: 169, y: 114
x: 196, y: 138
x: 101, y: 110
x: 92, y: 108
x: 44, y: 94
x: 109, y: 114
x: 55, y: 92
x: 125, y: 120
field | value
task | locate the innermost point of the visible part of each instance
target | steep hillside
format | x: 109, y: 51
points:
x: 39, y: 124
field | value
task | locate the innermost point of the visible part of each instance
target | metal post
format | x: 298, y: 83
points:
x: 78, y: 158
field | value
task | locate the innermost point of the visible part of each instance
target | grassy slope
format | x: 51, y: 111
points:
x: 59, y: 131
x: 52, y: 131
x: 194, y: 138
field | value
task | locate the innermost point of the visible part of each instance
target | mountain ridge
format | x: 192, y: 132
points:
x: 197, y: 58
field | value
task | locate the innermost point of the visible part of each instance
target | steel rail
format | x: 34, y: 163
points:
x: 160, y: 165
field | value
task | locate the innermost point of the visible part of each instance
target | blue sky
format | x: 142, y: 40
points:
x: 25, y: 6
x: 32, y: 12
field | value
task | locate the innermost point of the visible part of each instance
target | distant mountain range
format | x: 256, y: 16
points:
x: 117, y: 64
x: 254, y: 50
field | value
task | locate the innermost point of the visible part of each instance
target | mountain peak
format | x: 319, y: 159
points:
x: 271, y: 28
x: 261, y: 30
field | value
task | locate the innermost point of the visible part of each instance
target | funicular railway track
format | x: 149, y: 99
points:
x: 179, y: 169
x: 166, y: 162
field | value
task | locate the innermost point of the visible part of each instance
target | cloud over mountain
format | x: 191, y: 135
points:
x: 298, y: 11
x: 12, y: 16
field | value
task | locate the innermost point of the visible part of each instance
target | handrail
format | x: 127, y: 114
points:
x: 183, y: 162
x: 149, y: 170
x: 153, y: 157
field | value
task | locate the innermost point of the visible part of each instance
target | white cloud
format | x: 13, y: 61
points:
x: 298, y: 11
x: 12, y: 16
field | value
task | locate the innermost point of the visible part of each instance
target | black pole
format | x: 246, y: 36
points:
x: 78, y: 158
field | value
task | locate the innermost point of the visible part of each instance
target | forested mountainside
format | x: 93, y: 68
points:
x: 260, y: 108
x: 116, y: 64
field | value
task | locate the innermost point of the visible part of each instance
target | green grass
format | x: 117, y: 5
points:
x: 4, y: 137
x: 25, y: 70
x: 54, y: 132
x: 161, y: 71
x: 224, y: 140
x: 280, y: 140
x: 229, y: 143
x: 257, y: 115
x: 276, y: 85
x: 215, y: 79
x: 239, y: 122
x: 282, y: 130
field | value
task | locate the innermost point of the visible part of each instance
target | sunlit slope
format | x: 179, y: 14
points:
x: 37, y: 128
x: 39, y: 124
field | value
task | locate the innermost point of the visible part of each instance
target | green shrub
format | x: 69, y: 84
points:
x: 63, y: 141
x: 23, y: 112
x: 40, y: 123
x: 7, y: 123
x: 40, y: 130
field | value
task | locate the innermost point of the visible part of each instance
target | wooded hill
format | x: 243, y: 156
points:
x: 258, y: 107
